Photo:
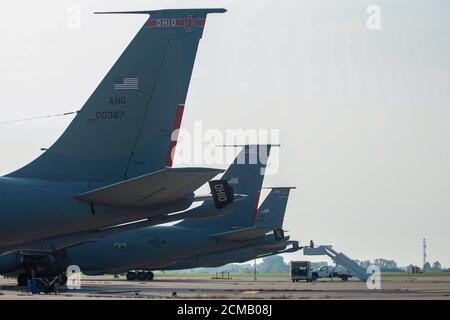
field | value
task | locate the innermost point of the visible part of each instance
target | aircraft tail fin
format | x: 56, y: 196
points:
x: 245, y: 176
x: 272, y: 211
x: 269, y: 218
x: 125, y: 128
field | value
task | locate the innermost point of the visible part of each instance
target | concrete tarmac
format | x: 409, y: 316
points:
x: 408, y: 287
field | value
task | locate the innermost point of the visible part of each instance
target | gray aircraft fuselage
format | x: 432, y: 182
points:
x: 30, y: 208
x: 150, y: 248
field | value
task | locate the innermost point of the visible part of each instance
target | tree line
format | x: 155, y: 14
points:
x: 276, y: 264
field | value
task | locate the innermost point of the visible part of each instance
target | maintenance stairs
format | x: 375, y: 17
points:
x: 339, y: 259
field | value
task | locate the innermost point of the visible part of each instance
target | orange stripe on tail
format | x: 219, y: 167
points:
x: 175, y: 133
x: 255, y: 208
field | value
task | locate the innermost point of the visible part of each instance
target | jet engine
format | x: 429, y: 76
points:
x: 11, y: 262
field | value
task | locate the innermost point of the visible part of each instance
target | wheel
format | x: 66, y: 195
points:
x: 293, y: 280
x: 142, y: 276
x: 344, y: 277
x: 22, y: 279
x: 149, y: 276
x: 131, y: 276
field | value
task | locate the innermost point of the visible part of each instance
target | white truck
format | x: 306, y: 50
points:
x: 330, y: 272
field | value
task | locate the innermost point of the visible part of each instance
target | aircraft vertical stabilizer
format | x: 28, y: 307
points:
x: 272, y: 211
x: 124, y: 130
x: 245, y: 176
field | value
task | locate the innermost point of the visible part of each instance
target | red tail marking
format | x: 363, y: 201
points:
x: 189, y: 23
x: 175, y: 133
x: 201, y: 23
x: 255, y: 208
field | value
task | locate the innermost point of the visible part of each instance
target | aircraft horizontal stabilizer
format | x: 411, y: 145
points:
x: 242, y: 234
x: 280, y: 248
x: 168, y: 11
x: 157, y: 188
x: 273, y: 247
x: 295, y: 247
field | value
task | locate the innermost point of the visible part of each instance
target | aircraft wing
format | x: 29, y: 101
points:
x: 242, y: 234
x: 156, y: 188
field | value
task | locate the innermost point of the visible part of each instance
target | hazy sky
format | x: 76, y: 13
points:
x: 363, y: 114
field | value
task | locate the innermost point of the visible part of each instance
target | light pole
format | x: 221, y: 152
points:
x: 254, y: 270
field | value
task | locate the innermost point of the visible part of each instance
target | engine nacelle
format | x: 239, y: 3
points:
x: 11, y: 262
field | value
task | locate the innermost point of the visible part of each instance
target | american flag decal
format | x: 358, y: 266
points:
x: 126, y: 84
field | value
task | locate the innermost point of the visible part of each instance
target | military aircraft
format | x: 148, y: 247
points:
x: 271, y: 244
x: 113, y: 163
x: 155, y: 246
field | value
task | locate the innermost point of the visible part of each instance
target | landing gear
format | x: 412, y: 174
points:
x: 149, y: 276
x: 140, y: 275
x: 131, y: 276
x: 22, y: 279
